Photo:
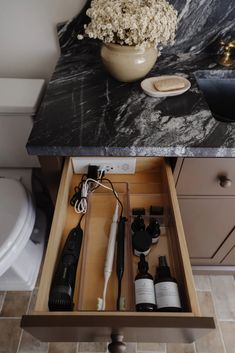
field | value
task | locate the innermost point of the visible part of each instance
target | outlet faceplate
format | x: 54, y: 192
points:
x: 115, y: 165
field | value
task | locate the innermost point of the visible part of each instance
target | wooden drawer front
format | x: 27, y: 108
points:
x: 201, y: 176
x: 152, y: 184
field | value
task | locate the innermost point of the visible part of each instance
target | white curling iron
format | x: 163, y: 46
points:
x: 109, y: 258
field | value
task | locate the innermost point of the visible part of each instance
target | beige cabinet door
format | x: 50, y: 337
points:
x: 208, y: 223
x: 206, y: 176
x: 228, y: 250
x: 230, y: 258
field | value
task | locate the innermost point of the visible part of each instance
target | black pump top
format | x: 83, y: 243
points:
x: 153, y: 228
x: 138, y: 224
x: 163, y: 270
x: 162, y: 261
x: 142, y: 264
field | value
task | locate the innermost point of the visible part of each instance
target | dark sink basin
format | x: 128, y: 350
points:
x: 218, y: 87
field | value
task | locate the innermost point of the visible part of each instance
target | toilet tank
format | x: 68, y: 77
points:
x: 19, y: 100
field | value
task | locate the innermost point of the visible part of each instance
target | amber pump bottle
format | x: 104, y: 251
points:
x: 166, y: 288
x: 144, y: 287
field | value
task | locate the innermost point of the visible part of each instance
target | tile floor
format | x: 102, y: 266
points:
x: 216, y: 296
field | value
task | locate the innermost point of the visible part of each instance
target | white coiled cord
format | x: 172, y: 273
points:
x: 81, y: 206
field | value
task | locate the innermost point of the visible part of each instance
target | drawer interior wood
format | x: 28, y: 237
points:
x: 152, y: 184
x: 98, y: 220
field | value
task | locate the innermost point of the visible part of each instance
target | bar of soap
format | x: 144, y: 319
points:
x: 169, y: 84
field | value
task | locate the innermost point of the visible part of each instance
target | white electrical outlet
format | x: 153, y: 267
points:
x: 115, y: 165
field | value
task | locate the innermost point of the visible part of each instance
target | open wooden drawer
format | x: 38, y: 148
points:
x: 152, y: 184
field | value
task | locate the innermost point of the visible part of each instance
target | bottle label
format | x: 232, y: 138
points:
x: 144, y: 291
x: 138, y: 253
x: 167, y: 295
x: 155, y: 240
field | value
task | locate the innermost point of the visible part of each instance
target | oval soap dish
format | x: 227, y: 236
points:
x: 148, y: 87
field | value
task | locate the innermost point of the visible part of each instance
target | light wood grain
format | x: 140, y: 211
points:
x: 153, y: 184
x: 181, y: 241
x: 55, y: 238
x: 98, y: 219
x: 133, y: 314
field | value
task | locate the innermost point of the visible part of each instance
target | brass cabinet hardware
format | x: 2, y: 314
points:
x: 225, y: 59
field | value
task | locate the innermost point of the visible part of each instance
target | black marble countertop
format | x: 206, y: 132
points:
x: 87, y: 112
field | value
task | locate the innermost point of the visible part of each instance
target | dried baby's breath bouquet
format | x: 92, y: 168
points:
x: 141, y: 23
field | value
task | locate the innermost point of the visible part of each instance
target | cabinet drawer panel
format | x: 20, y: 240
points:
x: 207, y: 176
x: 207, y: 223
x: 230, y: 258
x: 152, y: 184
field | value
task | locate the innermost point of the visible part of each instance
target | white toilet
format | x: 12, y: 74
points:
x: 22, y: 227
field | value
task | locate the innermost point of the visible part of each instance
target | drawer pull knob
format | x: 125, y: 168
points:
x: 117, y: 345
x: 225, y: 182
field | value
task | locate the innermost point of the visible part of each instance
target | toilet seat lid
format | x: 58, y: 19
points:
x: 14, y: 209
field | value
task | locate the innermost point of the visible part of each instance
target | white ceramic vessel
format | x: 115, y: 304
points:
x: 148, y: 87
